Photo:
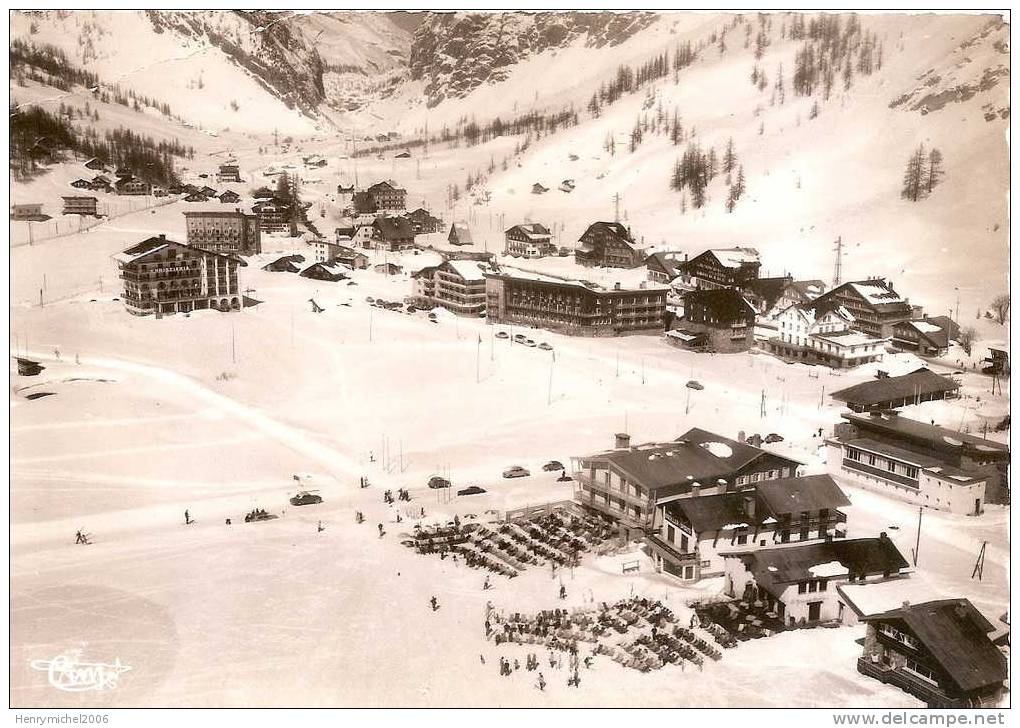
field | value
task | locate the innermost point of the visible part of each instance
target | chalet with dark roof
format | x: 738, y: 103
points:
x: 285, y: 264
x: 874, y: 304
x: 721, y: 268
x: 528, y: 240
x: 663, y: 267
x: 693, y: 533
x: 939, y: 652
x: 387, y: 196
x: 925, y: 336
x: 628, y: 483
x: 798, y: 582
x: 424, y: 222
x: 608, y: 244
x: 392, y: 233
x: 723, y: 315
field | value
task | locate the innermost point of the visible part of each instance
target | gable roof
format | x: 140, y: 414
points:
x: 708, y: 513
x: 929, y: 331
x: 469, y: 270
x: 735, y: 257
x: 664, y: 263
x: 673, y: 467
x: 808, y: 289
x: 530, y: 230
x: 617, y: 230
x: 393, y: 228
x: 768, y: 290
x: 956, y: 635
x: 463, y: 232
x: 157, y: 243
x: 724, y: 304
x: 807, y: 493
x: 919, y: 382
x: 799, y: 562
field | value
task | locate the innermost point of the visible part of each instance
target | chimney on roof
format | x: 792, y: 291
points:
x: 622, y: 441
x: 906, y: 604
x: 617, y: 286
x: 162, y: 236
x: 695, y: 490
x: 883, y: 536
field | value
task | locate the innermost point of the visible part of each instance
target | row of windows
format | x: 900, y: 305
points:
x: 876, y: 461
x: 812, y: 586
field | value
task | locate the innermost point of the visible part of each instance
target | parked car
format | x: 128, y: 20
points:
x: 695, y: 384
x: 437, y: 481
x: 369, y: 299
x: 529, y: 343
x: 773, y: 437
x: 552, y: 466
x: 471, y: 490
x: 304, y: 498
x: 545, y: 346
x: 520, y: 338
x: 516, y: 472
x: 502, y: 335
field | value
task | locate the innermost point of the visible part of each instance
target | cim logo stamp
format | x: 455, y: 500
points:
x: 68, y: 672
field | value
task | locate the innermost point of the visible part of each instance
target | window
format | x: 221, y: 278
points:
x: 812, y: 586
x: 670, y: 534
x: 822, y: 585
x: 683, y: 544
x: 742, y: 538
x: 802, y: 587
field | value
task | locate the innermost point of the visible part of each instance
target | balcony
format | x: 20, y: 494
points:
x: 919, y: 688
x: 587, y: 483
x: 881, y: 474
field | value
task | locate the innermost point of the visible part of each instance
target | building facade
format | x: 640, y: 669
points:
x: 229, y: 172
x: 630, y: 483
x: 572, y: 307
x: 161, y: 276
x: 224, y: 231
x: 387, y: 197
x: 875, y: 306
x: 721, y: 268
x: 722, y: 316
x: 79, y: 205
x: 528, y: 240
x: 937, y: 651
x: 798, y: 583
x: 693, y: 535
x: 608, y: 244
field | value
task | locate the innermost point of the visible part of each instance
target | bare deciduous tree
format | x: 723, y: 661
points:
x: 966, y: 339
x: 1000, y: 307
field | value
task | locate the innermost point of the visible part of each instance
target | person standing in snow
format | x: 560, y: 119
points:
x: 541, y: 682
x: 434, y: 602
x: 187, y: 518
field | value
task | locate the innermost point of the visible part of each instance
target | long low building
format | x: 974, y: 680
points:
x: 905, y: 474
x: 920, y: 385
x: 574, y: 307
x: 975, y: 455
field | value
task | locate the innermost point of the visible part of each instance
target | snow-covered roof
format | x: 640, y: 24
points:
x: 876, y: 292
x: 925, y: 327
x: 469, y: 270
x: 735, y: 257
x: 829, y: 568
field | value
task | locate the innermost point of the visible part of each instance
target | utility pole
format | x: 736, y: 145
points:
x: 837, y: 276
x: 616, y: 207
x: 979, y: 565
x: 917, y: 545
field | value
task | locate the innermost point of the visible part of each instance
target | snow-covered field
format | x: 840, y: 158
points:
x: 222, y: 413
x: 216, y: 413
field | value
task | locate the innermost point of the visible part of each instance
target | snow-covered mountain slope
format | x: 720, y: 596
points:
x: 243, y: 70
x: 942, y: 82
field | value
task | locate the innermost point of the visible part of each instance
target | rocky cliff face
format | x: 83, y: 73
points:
x: 269, y: 46
x: 457, y: 52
